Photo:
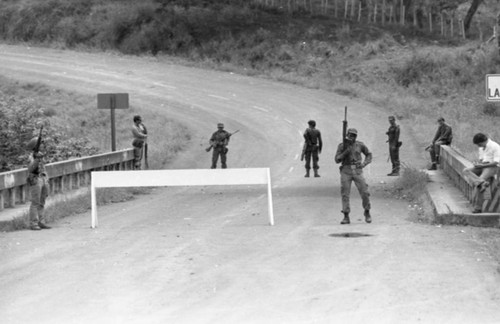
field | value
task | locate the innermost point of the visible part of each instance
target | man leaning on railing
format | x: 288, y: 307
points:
x: 483, y: 171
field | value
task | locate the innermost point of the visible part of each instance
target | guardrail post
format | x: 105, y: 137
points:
x: 2, y: 199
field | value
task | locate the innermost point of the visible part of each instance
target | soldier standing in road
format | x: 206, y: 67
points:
x: 219, y: 142
x: 312, y: 147
x: 140, y: 137
x: 38, y: 183
x: 443, y: 136
x: 351, y: 169
x: 394, y: 144
x: 483, y: 171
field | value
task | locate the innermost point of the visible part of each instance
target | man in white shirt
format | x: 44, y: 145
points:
x: 484, y: 170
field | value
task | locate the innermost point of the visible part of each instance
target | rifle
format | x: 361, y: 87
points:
x: 344, y: 130
x: 228, y: 136
x: 38, y: 143
x: 145, y: 148
x: 303, y: 151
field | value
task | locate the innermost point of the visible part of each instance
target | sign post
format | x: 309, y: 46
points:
x: 112, y: 101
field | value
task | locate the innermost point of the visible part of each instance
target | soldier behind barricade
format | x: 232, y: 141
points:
x: 351, y: 169
x: 38, y: 184
x: 140, y: 137
x: 483, y: 171
x: 219, y: 141
x: 312, y: 148
x: 443, y: 136
x: 394, y: 145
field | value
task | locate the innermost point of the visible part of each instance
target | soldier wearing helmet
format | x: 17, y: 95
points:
x: 351, y: 170
x: 38, y: 183
x: 312, y: 147
x: 219, y: 142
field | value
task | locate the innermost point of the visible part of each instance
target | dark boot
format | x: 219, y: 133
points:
x: 307, y: 174
x: 346, y: 219
x: 316, y: 174
x: 43, y: 226
x: 433, y: 167
x: 368, y: 217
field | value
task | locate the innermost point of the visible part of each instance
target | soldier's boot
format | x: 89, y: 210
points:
x: 368, y: 217
x: 307, y: 174
x: 346, y: 219
x: 316, y: 174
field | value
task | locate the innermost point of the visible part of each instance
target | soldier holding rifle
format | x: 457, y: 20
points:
x: 38, y: 182
x: 351, y: 169
x: 219, y: 142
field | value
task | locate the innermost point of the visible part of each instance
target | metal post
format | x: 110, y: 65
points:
x: 113, y: 128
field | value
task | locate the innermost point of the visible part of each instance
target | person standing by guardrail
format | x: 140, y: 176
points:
x: 483, y: 171
x: 443, y: 136
x: 38, y: 183
x: 140, y: 137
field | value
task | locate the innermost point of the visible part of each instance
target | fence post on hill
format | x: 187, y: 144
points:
x: 496, y: 32
x: 383, y: 12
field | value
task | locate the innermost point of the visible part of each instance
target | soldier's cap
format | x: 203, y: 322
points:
x: 220, y: 125
x: 30, y: 145
x: 352, y: 131
x: 137, y: 117
x: 392, y: 118
x: 440, y: 119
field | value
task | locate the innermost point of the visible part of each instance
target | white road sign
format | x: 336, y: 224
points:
x: 493, y: 87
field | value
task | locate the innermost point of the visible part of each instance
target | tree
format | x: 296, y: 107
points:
x: 470, y: 13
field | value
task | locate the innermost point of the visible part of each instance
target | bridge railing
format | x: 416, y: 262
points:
x: 63, y: 176
x: 453, y: 163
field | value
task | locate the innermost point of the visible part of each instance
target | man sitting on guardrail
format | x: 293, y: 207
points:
x: 483, y: 171
x: 443, y: 136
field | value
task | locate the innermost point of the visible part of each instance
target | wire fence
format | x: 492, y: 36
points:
x: 422, y: 15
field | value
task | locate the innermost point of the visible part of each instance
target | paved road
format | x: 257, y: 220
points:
x: 207, y: 255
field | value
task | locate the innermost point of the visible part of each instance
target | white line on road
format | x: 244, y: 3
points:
x: 296, y: 157
x: 291, y: 169
x: 288, y: 121
x: 218, y: 97
x: 261, y: 109
x: 164, y: 85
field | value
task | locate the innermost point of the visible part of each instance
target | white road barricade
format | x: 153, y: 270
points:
x: 194, y: 177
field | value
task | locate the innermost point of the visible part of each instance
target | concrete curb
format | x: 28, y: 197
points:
x: 13, y: 218
x: 451, y: 207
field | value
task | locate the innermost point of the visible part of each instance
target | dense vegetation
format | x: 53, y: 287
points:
x: 415, y: 75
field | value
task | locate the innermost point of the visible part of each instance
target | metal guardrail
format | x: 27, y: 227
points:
x: 453, y: 164
x: 63, y: 176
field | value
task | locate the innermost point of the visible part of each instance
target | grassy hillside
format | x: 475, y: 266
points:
x: 415, y: 75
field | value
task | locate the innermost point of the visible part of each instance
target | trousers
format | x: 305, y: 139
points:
x: 347, y: 176
x: 394, y: 154
x: 38, y: 194
x: 476, y: 176
x: 312, y: 153
x: 219, y: 151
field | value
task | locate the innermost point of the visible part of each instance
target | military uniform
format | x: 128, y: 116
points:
x: 140, y: 136
x: 351, y: 170
x: 394, y: 144
x: 219, y: 142
x: 38, y: 184
x: 313, y: 146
